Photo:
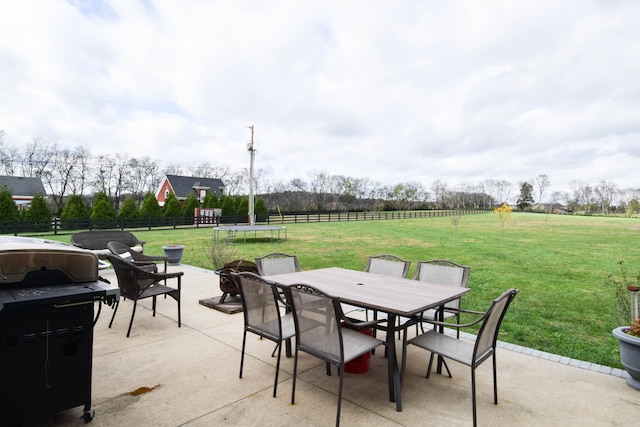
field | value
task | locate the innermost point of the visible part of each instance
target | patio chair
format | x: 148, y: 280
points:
x: 277, y: 263
x: 443, y: 272
x: 262, y: 315
x: 137, y: 282
x: 125, y: 252
x: 387, y: 265
x: 470, y: 353
x: 318, y: 319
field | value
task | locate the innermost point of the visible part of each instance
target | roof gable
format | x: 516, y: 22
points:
x: 183, y: 185
x: 23, y: 186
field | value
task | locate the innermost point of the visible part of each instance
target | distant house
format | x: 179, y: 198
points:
x: 182, y: 186
x: 22, y: 188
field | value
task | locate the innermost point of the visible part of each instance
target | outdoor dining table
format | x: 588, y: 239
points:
x: 391, y: 295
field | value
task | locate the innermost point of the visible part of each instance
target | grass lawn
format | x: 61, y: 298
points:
x: 559, y: 263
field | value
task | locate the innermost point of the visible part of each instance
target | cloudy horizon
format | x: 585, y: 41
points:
x: 403, y: 91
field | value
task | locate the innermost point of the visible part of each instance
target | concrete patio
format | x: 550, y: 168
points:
x: 163, y: 375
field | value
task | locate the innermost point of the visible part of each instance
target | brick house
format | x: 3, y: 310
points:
x: 182, y: 186
x: 22, y: 188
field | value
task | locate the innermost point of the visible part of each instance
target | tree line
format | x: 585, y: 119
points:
x: 77, y: 214
x: 66, y: 172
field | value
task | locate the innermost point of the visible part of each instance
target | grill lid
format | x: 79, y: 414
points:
x: 35, y: 262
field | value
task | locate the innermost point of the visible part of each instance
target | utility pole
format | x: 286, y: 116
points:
x: 252, y: 155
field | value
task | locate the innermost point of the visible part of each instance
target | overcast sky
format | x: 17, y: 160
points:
x: 396, y: 91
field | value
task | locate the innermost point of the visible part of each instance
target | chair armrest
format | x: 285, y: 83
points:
x: 452, y: 325
x: 142, y: 262
x: 140, y: 271
x: 462, y: 310
x: 155, y: 258
x: 163, y: 276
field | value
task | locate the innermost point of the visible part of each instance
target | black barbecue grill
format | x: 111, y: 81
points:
x: 47, y: 296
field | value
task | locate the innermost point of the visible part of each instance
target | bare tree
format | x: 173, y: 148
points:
x: 541, y: 183
x: 347, y: 191
x: 369, y: 191
x: 557, y: 197
x: 319, y: 186
x: 104, y: 174
x: 234, y: 183
x: 503, y: 190
x: 202, y: 170
x: 81, y: 172
x: 60, y: 177
x: 123, y: 166
x: 440, y: 192
x: 37, y: 158
x: 7, y: 157
x: 582, y: 196
x: 144, y: 177
x: 298, y: 184
x: 605, y: 191
x: 173, y: 169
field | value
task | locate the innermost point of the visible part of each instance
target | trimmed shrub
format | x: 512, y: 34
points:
x: 37, y: 217
x: 75, y: 214
x: 151, y: 210
x: 103, y: 215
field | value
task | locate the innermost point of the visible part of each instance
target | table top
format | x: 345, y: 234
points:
x: 403, y: 297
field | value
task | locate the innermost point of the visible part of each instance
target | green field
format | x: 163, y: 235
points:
x: 559, y: 263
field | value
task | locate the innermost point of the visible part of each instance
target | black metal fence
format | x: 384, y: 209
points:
x: 60, y: 226
x: 363, y: 216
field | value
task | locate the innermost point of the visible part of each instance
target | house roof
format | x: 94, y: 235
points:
x: 183, y: 185
x: 22, y: 186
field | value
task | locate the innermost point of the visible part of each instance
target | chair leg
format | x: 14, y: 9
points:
x: 115, y: 309
x: 135, y: 303
x: 178, y: 300
x: 154, y: 306
x: 430, y: 363
x: 341, y: 373
x: 295, y: 374
x: 444, y: 362
x: 473, y: 394
x: 495, y: 380
x: 244, y: 341
x: 273, y: 353
x: 275, y: 384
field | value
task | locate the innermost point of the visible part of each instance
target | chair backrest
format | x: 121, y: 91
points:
x: 129, y: 282
x: 443, y: 272
x: 277, y: 263
x: 318, y: 331
x: 488, y: 333
x: 259, y: 304
x: 120, y: 250
x: 388, y: 265
x: 98, y: 239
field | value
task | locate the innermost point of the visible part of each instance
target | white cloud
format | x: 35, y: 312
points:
x: 392, y: 91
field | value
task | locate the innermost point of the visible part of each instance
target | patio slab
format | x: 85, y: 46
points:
x: 168, y: 376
